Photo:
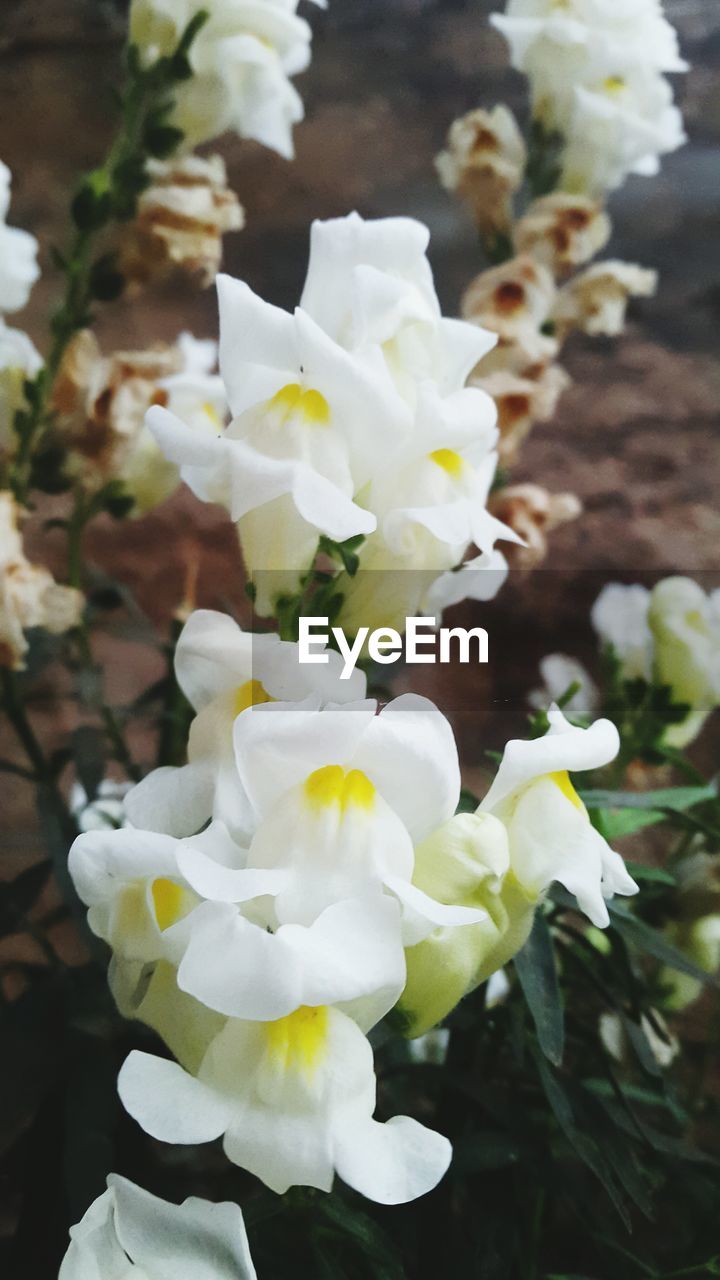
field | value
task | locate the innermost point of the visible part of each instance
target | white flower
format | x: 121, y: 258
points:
x: 531, y: 830
x: 222, y: 670
x: 106, y: 809
x: 129, y: 1234
x: 241, y: 61
x: 685, y: 626
x: 559, y: 672
x: 620, y: 617
x: 19, y: 361
x: 562, y: 231
x: 293, y: 1101
x: 596, y: 300
x: 350, y: 416
x: 29, y: 595
x: 18, y: 255
x: 485, y: 164
x: 595, y: 74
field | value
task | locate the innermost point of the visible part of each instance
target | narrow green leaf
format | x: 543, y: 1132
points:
x: 646, y: 939
x: 537, y: 974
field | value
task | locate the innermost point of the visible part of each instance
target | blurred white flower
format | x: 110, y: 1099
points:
x: 18, y: 255
x: 242, y: 60
x: 485, y: 164
x: 521, y: 402
x: 532, y: 513
x: 293, y: 1101
x: 106, y: 809
x: 514, y: 301
x: 559, y: 672
x: 595, y: 69
x: 620, y: 617
x: 596, y: 300
x: 128, y: 1234
x: 19, y: 361
x: 685, y: 626
x: 29, y: 595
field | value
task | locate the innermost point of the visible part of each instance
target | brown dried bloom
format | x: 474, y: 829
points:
x: 485, y: 163
x: 181, y: 220
x: 562, y: 231
x: 596, y: 301
x: 533, y: 513
x: 29, y: 595
x: 521, y: 402
x: 514, y: 301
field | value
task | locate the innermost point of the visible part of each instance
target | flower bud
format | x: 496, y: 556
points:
x: 686, y: 654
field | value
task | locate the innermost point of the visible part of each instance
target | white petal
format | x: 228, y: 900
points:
x: 391, y: 1163
x: 423, y: 914
x: 564, y: 747
x: 177, y: 802
x: 168, y: 1103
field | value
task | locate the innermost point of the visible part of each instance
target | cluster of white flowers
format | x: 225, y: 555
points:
x: 351, y: 417
x: 29, y: 595
x: 128, y: 1234
x: 242, y: 60
x: 269, y: 902
x: 669, y: 634
x: 596, y: 71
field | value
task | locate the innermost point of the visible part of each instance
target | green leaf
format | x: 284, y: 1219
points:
x: 467, y: 803
x: 654, y: 875
x: 644, y: 938
x: 537, y: 974
x: 161, y: 140
x: 625, y: 812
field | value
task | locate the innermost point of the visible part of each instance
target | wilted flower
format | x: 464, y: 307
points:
x: 241, y: 62
x: 562, y: 231
x: 18, y: 255
x: 293, y: 1101
x: 531, y: 830
x: 19, y: 361
x: 596, y: 300
x: 181, y: 219
x: 101, y: 402
x: 485, y: 164
x: 521, y: 402
x: 106, y: 809
x: 128, y: 1234
x: 29, y: 595
x: 532, y: 513
x: 514, y: 301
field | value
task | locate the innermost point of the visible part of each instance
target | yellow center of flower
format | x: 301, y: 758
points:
x: 168, y: 901
x: 614, y: 84
x: 211, y: 412
x: 297, y: 1042
x: 293, y: 401
x: 562, y: 780
x: 251, y: 694
x: 449, y: 460
x: 333, y: 786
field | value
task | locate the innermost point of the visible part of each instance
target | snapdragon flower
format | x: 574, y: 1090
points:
x: 351, y: 417
x: 222, y: 670
x: 241, y: 59
x: 596, y: 300
x: 531, y: 829
x: 670, y: 635
x: 596, y: 75
x: 562, y: 231
x: 485, y: 164
x: 18, y: 255
x: 293, y: 1101
x: 129, y: 1234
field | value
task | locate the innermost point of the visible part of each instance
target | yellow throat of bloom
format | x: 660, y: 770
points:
x: 169, y: 901
x: 562, y: 780
x: 297, y: 1042
x: 251, y: 694
x: 332, y: 786
x: 293, y: 401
